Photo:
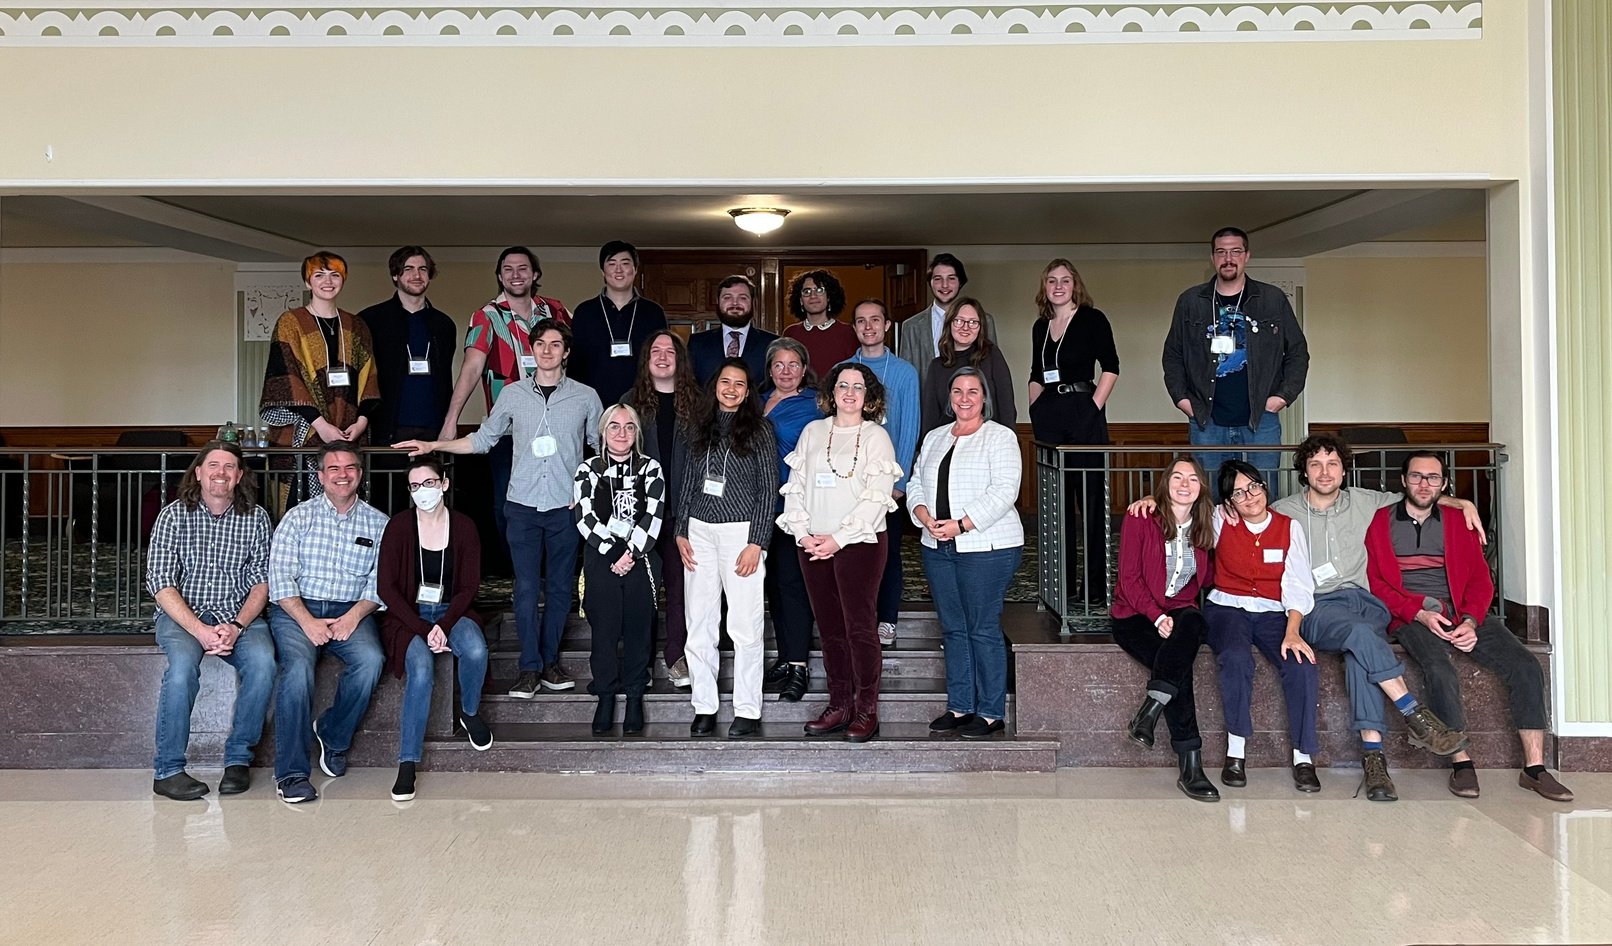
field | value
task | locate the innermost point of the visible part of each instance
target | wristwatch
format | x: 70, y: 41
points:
x: 238, y: 625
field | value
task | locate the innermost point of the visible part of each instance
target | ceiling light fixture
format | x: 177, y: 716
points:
x: 759, y: 220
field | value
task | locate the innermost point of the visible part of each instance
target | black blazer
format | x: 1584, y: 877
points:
x: 706, y: 350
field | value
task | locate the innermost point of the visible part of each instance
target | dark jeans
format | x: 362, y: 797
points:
x: 1497, y: 649
x: 1170, y: 660
x: 1074, y: 418
x: 791, y: 607
x: 543, y: 548
x: 1269, y: 431
x: 500, y: 460
x: 621, y: 612
x: 891, y: 585
x: 969, y: 589
x: 671, y: 576
x: 1233, y: 633
x: 293, y: 698
x: 844, y: 590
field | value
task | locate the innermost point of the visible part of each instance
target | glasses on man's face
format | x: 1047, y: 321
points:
x: 850, y: 386
x: 1247, y: 492
x: 1229, y: 253
x: 966, y: 323
x: 432, y: 483
x: 813, y: 291
x: 616, y: 427
x: 1431, y: 479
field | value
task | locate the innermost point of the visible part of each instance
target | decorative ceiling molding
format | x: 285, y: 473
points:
x: 294, y: 24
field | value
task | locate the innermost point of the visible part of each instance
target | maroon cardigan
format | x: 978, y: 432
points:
x: 398, y: 581
x: 1471, y: 586
x: 1141, y: 573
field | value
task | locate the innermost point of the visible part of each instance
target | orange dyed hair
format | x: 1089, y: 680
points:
x: 324, y: 259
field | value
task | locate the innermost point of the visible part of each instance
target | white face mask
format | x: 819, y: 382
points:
x: 427, y: 498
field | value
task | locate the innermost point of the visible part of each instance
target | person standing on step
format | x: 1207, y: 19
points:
x: 430, y: 572
x: 918, y: 338
x: 1074, y: 366
x: 724, y: 519
x: 871, y: 322
x: 664, y: 396
x: 735, y: 337
x: 611, y: 328
x: 618, y: 509
x: 816, y: 300
x: 553, y: 419
x: 1163, y: 565
x: 963, y: 344
x: 790, y: 403
x: 208, y: 570
x: 841, y: 474
x: 962, y: 491
x: 322, y: 576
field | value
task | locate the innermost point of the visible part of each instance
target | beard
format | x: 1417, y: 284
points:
x: 734, y: 321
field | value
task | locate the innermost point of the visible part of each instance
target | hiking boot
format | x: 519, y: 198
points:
x: 1429, y: 732
x: 1379, y: 786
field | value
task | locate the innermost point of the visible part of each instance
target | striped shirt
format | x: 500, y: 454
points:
x: 321, y: 555
x: 749, y: 483
x: 631, y: 491
x: 214, y: 562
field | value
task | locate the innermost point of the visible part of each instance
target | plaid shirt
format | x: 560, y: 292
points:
x: 636, y: 489
x: 213, y: 561
x: 322, y: 555
x: 495, y: 332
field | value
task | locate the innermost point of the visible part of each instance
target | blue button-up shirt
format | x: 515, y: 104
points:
x: 321, y: 555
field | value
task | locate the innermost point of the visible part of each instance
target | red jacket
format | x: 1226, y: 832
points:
x: 1141, y: 573
x: 397, y: 581
x: 1471, y: 586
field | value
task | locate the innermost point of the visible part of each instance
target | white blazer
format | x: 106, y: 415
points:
x: 983, y: 485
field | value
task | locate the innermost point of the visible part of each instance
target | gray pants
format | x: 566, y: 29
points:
x: 1351, y: 622
x: 1497, y: 649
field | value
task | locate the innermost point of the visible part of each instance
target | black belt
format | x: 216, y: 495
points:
x: 1084, y: 387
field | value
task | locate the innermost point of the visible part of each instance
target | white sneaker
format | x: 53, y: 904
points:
x: 887, y: 633
x: 677, y: 673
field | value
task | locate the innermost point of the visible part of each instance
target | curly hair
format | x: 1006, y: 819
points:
x: 872, y: 395
x: 1321, y: 443
x: 825, y: 280
x: 982, y: 346
x: 245, y: 491
x: 643, y: 397
x: 703, y: 430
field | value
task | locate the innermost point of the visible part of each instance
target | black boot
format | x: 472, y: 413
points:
x: 776, y: 676
x: 1144, y: 722
x: 795, y: 686
x: 604, y: 718
x: 1193, y: 782
x: 633, y: 723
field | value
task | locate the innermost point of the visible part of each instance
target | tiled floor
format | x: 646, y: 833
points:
x: 1081, y: 856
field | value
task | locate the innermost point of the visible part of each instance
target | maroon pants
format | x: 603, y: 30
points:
x: 671, y: 568
x: 844, y: 591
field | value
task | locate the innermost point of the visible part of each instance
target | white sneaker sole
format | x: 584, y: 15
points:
x: 321, y: 740
x: 681, y: 683
x: 398, y: 797
x: 294, y: 801
x: 472, y: 742
x: 570, y: 685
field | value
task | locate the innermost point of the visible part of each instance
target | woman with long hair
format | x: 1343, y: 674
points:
x: 791, y: 403
x: 664, y: 394
x: 1163, y: 565
x: 964, y: 343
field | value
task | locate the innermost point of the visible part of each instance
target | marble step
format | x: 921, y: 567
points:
x: 906, y: 659
x: 500, y: 628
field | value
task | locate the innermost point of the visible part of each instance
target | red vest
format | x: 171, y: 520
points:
x: 1240, y: 566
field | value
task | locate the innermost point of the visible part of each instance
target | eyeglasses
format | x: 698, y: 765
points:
x: 966, y: 323
x: 1253, y: 489
x: 813, y: 291
x: 432, y: 483
x: 1225, y: 253
x: 849, y: 386
x: 1431, y: 479
x: 616, y: 427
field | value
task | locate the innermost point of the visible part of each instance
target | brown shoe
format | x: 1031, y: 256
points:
x: 835, y: 719
x: 1546, y: 785
x: 1464, y: 783
x: 554, y: 677
x: 1429, y: 732
x: 864, y: 727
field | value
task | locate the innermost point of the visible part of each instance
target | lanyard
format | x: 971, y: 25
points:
x: 543, y: 422
x: 442, y: 564
x: 540, y: 310
x: 341, y: 338
x: 726, y: 453
x: 632, y: 317
x: 1057, y: 354
x: 408, y: 348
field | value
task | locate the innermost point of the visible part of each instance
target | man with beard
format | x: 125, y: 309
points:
x: 735, y: 338
x: 208, y: 569
x: 1235, y: 356
x: 497, y: 352
x: 1431, y: 574
x: 609, y: 329
x: 918, y: 339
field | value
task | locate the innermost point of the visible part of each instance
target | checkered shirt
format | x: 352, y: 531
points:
x: 214, y: 562
x: 321, y: 555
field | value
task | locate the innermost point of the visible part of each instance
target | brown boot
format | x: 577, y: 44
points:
x: 1429, y: 732
x: 835, y: 719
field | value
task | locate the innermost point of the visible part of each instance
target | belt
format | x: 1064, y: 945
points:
x: 1084, y: 387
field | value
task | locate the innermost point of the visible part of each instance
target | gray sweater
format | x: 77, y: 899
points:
x: 1337, y: 535
x: 570, y: 415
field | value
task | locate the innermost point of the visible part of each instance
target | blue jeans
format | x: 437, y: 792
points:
x: 253, y: 660
x: 419, y: 668
x: 1352, y: 622
x: 543, y: 548
x: 293, y: 699
x: 968, y: 589
x: 1214, y: 435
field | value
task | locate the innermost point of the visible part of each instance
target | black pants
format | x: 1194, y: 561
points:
x: 621, y: 612
x: 789, y: 606
x: 1497, y: 649
x: 891, y: 586
x: 1170, y: 661
x: 1075, y: 419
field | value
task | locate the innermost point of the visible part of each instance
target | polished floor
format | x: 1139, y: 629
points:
x: 1081, y: 856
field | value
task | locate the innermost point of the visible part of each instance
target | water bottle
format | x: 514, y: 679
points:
x: 229, y: 433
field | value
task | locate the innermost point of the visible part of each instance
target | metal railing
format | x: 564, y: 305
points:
x: 74, y: 523
x: 1082, y: 491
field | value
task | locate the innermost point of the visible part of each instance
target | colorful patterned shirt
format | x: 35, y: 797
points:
x: 497, y: 333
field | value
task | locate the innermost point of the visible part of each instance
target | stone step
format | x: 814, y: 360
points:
x: 907, y: 659
x: 668, y: 748
x: 913, y: 625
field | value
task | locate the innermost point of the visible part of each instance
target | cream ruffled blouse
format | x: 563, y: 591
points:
x: 844, y: 491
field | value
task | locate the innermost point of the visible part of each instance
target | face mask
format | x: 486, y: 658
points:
x: 427, y: 498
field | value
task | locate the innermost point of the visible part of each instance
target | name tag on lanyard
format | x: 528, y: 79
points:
x: 430, y: 593
x: 620, y: 350
x: 340, y: 377
x: 419, y: 366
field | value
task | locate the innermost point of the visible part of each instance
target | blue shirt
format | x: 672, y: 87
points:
x: 788, y: 419
x: 901, y: 420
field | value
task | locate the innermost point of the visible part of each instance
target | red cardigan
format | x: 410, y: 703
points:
x: 398, y: 581
x: 1471, y: 586
x: 1141, y: 573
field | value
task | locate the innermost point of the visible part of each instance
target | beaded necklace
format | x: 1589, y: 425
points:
x: 856, y: 452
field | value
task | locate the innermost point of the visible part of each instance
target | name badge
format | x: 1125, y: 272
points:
x: 419, y: 366
x: 620, y: 350
x: 1051, y: 376
x: 1222, y: 345
x: 1272, y: 556
x: 340, y: 377
x: 714, y: 486
x: 430, y: 593
x: 544, y: 446
x: 1324, y: 573
x: 620, y: 528
x: 529, y: 362
x: 825, y: 480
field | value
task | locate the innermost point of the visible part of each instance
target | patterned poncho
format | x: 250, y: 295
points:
x: 296, y: 381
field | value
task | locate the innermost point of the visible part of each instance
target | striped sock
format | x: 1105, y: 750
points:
x: 1407, y: 704
x: 1372, y: 745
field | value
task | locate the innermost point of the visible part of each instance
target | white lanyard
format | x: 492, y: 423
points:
x: 442, y: 565
x: 1057, y: 354
x: 543, y: 422
x: 726, y: 452
x: 523, y: 346
x: 632, y: 318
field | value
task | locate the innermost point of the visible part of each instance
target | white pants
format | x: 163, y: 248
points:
x: 716, y: 548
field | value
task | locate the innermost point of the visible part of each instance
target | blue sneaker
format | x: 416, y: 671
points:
x: 296, y: 790
x: 333, y: 764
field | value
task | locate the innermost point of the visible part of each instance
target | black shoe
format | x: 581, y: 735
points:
x: 237, y: 779
x: 632, y: 723
x: 1193, y: 783
x: 1234, y: 774
x: 795, y: 686
x: 604, y: 717
x: 980, y: 728
x: 179, y: 786
x: 744, y: 728
x: 704, y: 725
x: 1304, y: 778
x: 775, y: 678
x: 948, y: 724
x: 403, y: 788
x: 481, y: 738
x: 1144, y: 722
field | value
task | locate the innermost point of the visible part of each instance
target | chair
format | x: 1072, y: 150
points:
x: 1376, y: 469
x: 152, y: 497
